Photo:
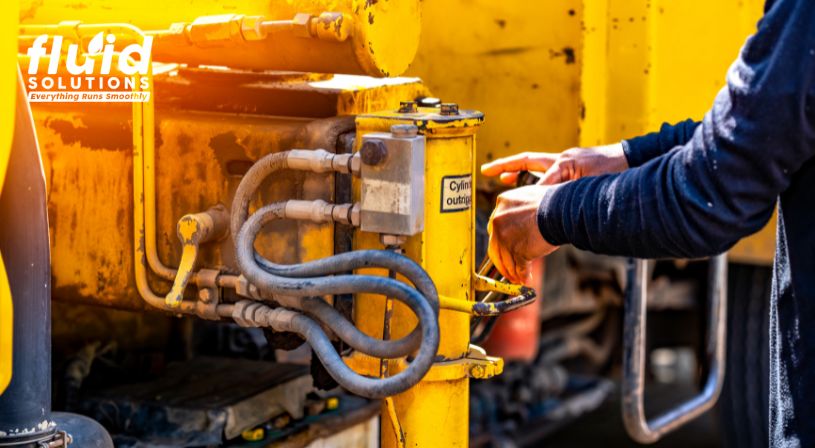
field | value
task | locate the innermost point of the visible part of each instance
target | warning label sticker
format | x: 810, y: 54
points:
x: 456, y: 193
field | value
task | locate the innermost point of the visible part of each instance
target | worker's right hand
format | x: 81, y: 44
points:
x: 571, y: 164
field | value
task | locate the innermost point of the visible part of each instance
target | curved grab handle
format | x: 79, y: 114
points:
x: 633, y: 387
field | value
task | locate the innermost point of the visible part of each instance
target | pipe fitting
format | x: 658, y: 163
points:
x: 321, y: 161
x: 321, y: 211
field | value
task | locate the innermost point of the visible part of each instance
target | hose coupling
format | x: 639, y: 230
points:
x: 247, y: 313
x: 322, y: 161
x: 321, y: 211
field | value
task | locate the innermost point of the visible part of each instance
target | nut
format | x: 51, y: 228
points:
x: 408, y: 107
x: 251, y: 29
x: 301, y: 24
x: 449, y: 109
x: 373, y: 152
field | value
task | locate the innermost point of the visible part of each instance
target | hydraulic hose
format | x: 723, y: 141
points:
x: 330, y: 265
x: 281, y: 319
x: 324, y: 277
x: 345, y: 284
x: 249, y: 185
x: 253, y: 271
x: 349, y: 262
x: 358, y: 340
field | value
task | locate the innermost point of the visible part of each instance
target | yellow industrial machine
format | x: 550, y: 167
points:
x: 259, y: 180
x: 277, y: 173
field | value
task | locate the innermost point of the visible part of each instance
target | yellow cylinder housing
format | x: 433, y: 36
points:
x: 375, y: 38
x: 436, y: 410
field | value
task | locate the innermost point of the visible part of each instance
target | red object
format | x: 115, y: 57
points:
x: 515, y: 335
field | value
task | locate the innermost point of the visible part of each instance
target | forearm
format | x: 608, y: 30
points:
x: 639, y: 150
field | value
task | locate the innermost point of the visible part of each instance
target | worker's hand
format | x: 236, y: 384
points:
x: 514, y: 236
x: 569, y: 165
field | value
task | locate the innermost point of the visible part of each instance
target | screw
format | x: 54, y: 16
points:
x: 404, y: 130
x: 449, y: 109
x: 373, y: 152
x: 408, y: 107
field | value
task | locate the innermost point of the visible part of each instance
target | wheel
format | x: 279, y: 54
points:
x: 744, y: 402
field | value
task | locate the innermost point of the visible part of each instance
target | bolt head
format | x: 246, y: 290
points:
x: 408, y: 107
x: 373, y: 152
x: 449, y: 109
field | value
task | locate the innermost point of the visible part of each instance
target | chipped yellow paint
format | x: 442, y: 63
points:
x: 87, y: 158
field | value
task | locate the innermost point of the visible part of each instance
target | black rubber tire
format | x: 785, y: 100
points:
x: 744, y: 402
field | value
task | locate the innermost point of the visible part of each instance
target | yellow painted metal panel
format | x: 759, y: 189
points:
x: 652, y: 61
x: 518, y: 62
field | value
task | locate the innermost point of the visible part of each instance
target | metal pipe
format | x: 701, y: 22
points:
x: 633, y: 388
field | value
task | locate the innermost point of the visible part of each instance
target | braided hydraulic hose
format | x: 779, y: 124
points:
x: 318, y: 278
x: 344, y: 284
x: 332, y: 265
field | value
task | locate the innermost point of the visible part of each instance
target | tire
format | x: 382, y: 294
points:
x: 744, y: 402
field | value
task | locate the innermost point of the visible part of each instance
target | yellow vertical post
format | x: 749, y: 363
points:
x: 9, y: 76
x: 435, y: 412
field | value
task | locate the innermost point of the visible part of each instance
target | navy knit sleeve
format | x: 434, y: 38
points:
x: 639, y: 150
x: 701, y: 198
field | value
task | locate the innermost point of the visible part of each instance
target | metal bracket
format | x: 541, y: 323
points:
x: 483, y: 366
x: 633, y: 388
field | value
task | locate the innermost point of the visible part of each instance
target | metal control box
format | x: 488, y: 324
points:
x: 392, y: 173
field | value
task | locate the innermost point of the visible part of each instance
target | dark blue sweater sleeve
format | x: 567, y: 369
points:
x: 700, y: 198
x: 639, y: 150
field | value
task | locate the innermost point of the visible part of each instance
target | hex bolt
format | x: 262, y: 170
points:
x: 404, y: 130
x: 449, y: 109
x: 408, y: 107
x: 373, y: 152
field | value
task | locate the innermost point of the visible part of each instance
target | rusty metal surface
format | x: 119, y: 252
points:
x: 201, y: 155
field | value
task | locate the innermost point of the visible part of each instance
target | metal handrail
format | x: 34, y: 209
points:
x: 637, y: 425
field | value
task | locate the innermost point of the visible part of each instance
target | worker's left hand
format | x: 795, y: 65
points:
x: 514, y: 236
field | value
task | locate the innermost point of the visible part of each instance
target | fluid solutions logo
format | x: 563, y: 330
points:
x: 89, y: 77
